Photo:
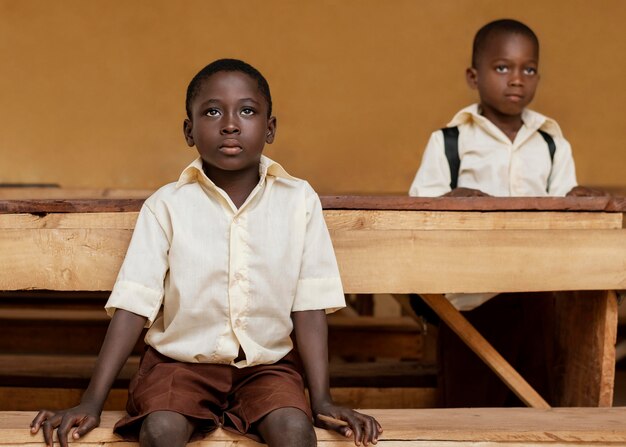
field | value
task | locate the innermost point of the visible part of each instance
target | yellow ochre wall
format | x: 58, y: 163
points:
x: 92, y: 92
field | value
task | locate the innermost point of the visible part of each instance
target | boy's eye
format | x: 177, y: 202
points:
x: 213, y: 112
x: 530, y: 71
x: 247, y: 111
x: 502, y: 68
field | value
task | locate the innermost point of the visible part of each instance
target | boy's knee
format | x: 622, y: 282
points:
x: 288, y: 427
x: 165, y: 428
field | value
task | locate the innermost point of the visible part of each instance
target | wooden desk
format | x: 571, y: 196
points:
x: 576, y: 246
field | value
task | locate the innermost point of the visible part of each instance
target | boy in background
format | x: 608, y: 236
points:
x: 498, y: 147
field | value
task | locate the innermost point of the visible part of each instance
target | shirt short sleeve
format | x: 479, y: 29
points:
x: 433, y: 176
x: 563, y: 175
x: 319, y: 284
x: 139, y: 286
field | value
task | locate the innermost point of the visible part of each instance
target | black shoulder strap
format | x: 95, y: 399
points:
x: 552, y: 148
x: 451, y: 146
x: 550, y: 141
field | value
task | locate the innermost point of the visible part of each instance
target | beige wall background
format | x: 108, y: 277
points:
x: 92, y: 92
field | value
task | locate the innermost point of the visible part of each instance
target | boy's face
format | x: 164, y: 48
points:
x: 229, y: 124
x: 506, y: 74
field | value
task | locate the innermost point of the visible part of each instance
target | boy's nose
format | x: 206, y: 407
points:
x: 230, y: 128
x: 515, y: 79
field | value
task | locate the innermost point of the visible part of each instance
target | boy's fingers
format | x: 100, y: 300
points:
x: 339, y: 425
x: 373, y: 430
x: 66, y: 424
x: 39, y: 419
x: 357, y: 428
x: 47, y: 432
x: 86, y: 425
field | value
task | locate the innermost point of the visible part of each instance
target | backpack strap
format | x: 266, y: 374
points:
x: 451, y: 146
x: 552, y: 148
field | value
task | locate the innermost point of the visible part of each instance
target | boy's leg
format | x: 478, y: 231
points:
x: 287, y: 427
x: 165, y: 428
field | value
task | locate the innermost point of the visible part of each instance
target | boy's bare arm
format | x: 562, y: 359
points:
x: 312, y: 340
x: 121, y: 337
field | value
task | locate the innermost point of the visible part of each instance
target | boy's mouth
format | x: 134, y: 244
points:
x: 230, y: 147
x: 514, y: 97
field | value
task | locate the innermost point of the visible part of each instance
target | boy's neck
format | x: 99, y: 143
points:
x: 509, y: 124
x: 237, y: 184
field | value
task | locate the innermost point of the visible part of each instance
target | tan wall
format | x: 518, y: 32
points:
x: 91, y: 92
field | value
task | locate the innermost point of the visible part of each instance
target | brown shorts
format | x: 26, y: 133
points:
x: 212, y: 395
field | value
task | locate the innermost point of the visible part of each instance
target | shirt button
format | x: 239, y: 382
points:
x: 238, y: 276
x: 237, y: 323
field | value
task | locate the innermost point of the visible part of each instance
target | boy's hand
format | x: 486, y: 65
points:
x: 84, y: 417
x: 466, y: 192
x: 583, y: 191
x: 348, y: 422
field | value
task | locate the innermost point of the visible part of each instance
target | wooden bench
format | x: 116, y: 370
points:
x: 389, y: 245
x: 510, y: 427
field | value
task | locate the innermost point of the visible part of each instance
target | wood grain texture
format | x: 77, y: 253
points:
x: 350, y: 220
x: 375, y: 261
x: 437, y: 427
x: 73, y: 259
x: 586, y: 332
x: 405, y: 261
x: 597, y: 204
x: 607, y: 203
x: 38, y: 193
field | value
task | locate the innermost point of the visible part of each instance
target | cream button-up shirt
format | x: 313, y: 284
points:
x: 496, y: 165
x: 211, y: 278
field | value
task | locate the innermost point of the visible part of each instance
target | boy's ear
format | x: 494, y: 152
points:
x: 187, y: 127
x: 271, y: 130
x: 471, y: 76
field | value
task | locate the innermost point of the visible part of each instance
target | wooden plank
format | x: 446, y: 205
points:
x: 114, y: 220
x: 35, y: 398
x: 75, y: 259
x: 597, y: 204
x: 358, y: 220
x: 606, y: 203
x: 437, y: 427
x: 58, y: 366
x: 465, y: 220
x: 586, y: 333
x: 36, y: 337
x: 477, y: 343
x: 403, y: 261
x: 30, y: 314
x: 69, y: 206
x: 27, y: 193
x: 376, y: 261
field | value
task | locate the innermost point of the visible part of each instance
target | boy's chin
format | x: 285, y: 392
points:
x: 511, y: 109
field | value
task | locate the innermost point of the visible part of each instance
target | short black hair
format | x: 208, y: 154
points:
x: 227, y: 65
x: 502, y: 26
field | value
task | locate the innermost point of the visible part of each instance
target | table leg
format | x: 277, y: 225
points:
x: 586, y: 332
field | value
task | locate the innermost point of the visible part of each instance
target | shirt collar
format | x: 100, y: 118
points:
x: 532, y: 120
x: 194, y: 172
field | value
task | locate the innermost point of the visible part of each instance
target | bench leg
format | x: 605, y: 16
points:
x: 586, y: 333
x: 477, y: 343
